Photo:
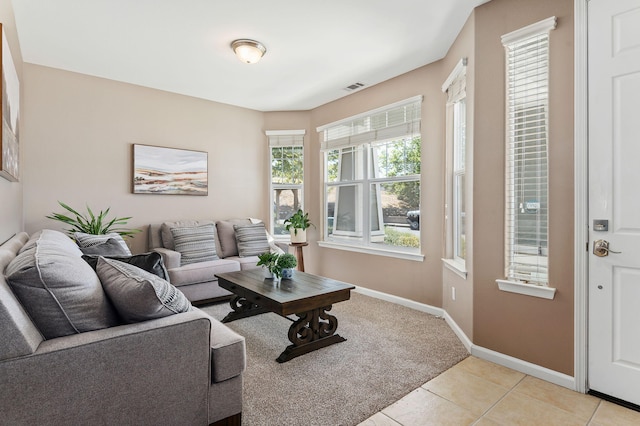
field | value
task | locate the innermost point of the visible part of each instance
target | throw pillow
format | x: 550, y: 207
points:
x: 137, y: 294
x: 88, y: 240
x: 111, y: 247
x: 150, y: 262
x: 165, y: 230
x: 59, y: 290
x: 272, y: 242
x: 251, y: 239
x: 195, y: 244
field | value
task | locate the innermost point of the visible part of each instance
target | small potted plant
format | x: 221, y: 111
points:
x: 287, y: 262
x: 276, y: 264
x: 297, y: 225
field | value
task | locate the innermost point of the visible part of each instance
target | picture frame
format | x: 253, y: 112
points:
x: 169, y: 171
x: 9, y: 137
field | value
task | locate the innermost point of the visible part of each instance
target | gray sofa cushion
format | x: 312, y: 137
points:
x: 59, y: 290
x: 19, y: 335
x: 139, y: 295
x: 246, y: 262
x: 251, y: 239
x: 88, y: 240
x: 227, y: 236
x: 201, y: 272
x: 195, y: 244
x: 227, y: 352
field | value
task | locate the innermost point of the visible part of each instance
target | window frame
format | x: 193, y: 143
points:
x: 363, y: 143
x: 284, y: 139
x: 521, y: 266
x: 455, y: 89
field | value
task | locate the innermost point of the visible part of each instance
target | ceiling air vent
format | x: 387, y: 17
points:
x: 354, y: 86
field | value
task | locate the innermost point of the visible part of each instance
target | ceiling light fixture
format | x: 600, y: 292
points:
x: 249, y: 51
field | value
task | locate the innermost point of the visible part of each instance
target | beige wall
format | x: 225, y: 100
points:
x: 461, y: 309
x: 419, y: 281
x: 535, y: 330
x: 79, y: 131
x: 11, y: 192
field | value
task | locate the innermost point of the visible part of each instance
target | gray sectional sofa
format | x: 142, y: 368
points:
x: 197, y: 280
x: 67, y: 357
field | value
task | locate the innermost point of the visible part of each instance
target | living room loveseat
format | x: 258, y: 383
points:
x: 180, y: 369
x: 197, y: 279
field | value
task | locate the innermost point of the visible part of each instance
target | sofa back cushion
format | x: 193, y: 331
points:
x: 59, y: 290
x: 19, y: 335
x: 227, y: 236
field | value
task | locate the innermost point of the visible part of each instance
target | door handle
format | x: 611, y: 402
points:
x: 601, y: 248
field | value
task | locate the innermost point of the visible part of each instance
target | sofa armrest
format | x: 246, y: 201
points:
x: 170, y: 258
x: 153, y: 372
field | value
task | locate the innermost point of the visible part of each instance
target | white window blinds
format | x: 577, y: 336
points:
x: 526, y: 228
x: 285, y: 137
x: 456, y: 84
x: 392, y: 121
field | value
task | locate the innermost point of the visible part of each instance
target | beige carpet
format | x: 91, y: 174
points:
x: 390, y: 351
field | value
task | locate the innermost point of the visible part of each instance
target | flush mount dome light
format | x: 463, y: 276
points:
x: 249, y: 51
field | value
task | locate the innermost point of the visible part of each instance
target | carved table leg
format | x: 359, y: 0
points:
x: 242, y: 308
x: 312, y: 330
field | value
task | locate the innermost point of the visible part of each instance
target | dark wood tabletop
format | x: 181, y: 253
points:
x: 301, y: 293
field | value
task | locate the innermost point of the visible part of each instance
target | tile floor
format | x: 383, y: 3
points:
x: 478, y: 392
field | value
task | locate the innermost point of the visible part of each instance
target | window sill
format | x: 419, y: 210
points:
x: 527, y: 289
x: 455, y: 266
x: 370, y: 250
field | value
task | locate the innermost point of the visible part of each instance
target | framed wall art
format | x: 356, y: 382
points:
x: 171, y: 171
x: 10, y: 149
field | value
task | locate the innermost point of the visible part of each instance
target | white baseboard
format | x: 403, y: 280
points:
x: 517, y: 364
x: 525, y: 367
x: 422, y: 307
x: 458, y: 332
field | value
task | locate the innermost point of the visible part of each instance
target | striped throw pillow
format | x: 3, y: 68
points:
x: 251, y: 239
x: 90, y: 240
x: 195, y: 244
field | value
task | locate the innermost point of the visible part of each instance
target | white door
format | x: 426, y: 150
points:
x: 614, y: 196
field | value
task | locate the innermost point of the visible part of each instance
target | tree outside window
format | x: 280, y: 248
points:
x: 287, y: 177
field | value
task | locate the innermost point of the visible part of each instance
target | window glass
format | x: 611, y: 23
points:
x: 459, y: 210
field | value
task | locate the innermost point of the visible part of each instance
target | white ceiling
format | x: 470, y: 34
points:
x: 314, y: 50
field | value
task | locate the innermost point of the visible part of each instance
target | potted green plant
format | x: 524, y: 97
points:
x: 297, y: 225
x: 277, y: 263
x: 287, y: 262
x: 91, y: 223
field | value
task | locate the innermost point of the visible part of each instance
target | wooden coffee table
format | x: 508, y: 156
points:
x: 307, y: 296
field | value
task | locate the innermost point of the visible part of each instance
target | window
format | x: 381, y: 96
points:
x: 372, y: 178
x: 287, y: 177
x: 526, y: 227
x: 455, y: 88
x: 459, y: 210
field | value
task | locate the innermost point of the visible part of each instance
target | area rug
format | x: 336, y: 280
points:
x: 390, y: 351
